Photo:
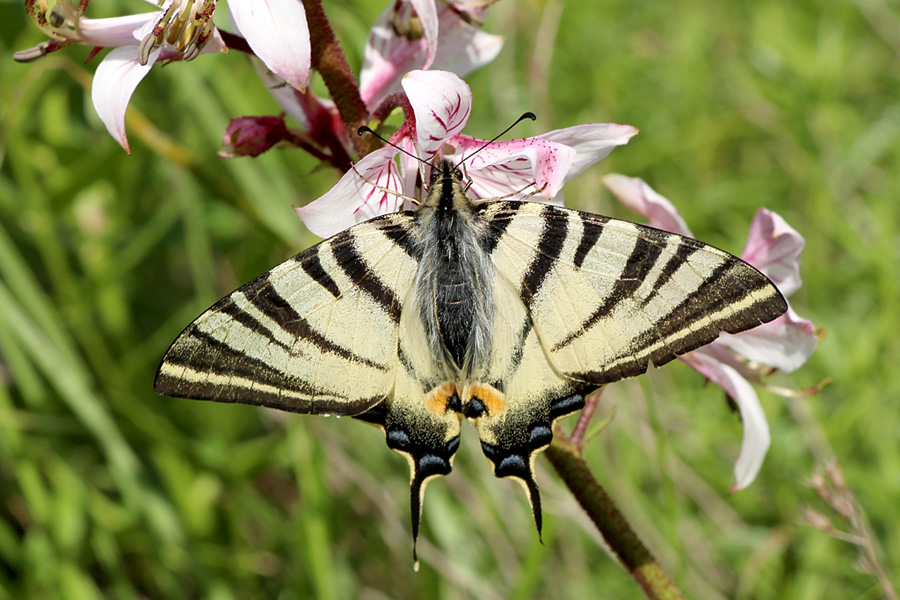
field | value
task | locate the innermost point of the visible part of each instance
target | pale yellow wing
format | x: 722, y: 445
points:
x: 609, y: 297
x: 316, y: 334
x: 583, y: 300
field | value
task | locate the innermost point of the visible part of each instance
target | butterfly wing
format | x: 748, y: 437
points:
x: 316, y: 334
x: 610, y: 297
x: 584, y: 300
x: 326, y: 332
x: 522, y: 395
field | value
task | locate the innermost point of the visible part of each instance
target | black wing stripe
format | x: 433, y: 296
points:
x: 726, y: 285
x: 731, y: 277
x: 276, y: 307
x: 312, y: 266
x: 550, y: 245
x: 686, y: 247
x: 214, y: 357
x: 519, y: 352
x: 361, y: 274
x: 250, y: 322
x: 643, y: 256
x: 499, y: 215
x: 592, y: 227
x: 399, y: 233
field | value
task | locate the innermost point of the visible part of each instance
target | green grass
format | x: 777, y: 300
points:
x: 107, y: 490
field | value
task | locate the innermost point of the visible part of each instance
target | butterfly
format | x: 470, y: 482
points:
x: 504, y: 313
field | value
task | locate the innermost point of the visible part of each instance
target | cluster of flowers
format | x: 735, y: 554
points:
x: 416, y: 53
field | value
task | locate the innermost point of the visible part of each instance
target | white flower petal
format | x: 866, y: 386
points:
x: 386, y: 59
x: 462, y: 48
x: 756, y: 430
x: 428, y: 17
x: 411, y: 169
x: 593, y: 142
x: 785, y: 343
x: 355, y: 198
x: 115, y: 31
x: 441, y: 102
x: 774, y: 248
x: 115, y: 80
x: 277, y: 32
x: 639, y: 197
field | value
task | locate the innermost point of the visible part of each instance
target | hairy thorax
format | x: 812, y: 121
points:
x: 454, y: 286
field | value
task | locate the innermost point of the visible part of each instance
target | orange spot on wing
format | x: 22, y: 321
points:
x: 494, y: 400
x: 437, y: 399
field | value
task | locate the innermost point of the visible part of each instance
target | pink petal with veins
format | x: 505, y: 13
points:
x: 441, y: 102
x: 514, y: 169
x: 774, y: 248
x: 388, y: 55
x: 428, y: 17
x: 454, y: 46
x: 463, y: 48
x: 593, y: 142
x: 785, y: 343
x: 355, y: 198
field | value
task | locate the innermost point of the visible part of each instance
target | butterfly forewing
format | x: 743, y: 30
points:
x: 609, y: 297
x: 316, y: 334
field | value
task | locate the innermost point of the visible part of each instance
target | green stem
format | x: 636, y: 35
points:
x: 565, y: 456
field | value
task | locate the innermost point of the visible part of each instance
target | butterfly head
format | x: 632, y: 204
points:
x: 446, y: 191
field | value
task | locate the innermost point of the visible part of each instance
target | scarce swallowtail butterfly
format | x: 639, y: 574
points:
x: 505, y: 313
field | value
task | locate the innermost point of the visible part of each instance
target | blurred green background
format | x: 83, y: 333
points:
x: 107, y: 490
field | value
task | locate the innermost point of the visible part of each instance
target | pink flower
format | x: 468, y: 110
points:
x: 409, y: 34
x: 179, y: 30
x: 785, y: 344
x: 422, y: 34
x: 441, y: 103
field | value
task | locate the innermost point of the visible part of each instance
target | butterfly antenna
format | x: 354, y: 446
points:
x: 367, y: 129
x: 528, y: 115
x: 422, y: 163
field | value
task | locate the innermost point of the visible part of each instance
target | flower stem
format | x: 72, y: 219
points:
x: 329, y: 60
x: 565, y: 456
x: 584, y: 419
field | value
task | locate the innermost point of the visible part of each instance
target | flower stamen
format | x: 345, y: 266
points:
x: 60, y: 23
x: 185, y: 25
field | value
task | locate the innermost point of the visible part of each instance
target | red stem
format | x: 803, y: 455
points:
x: 329, y: 60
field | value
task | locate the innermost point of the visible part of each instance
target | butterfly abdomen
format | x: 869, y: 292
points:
x: 454, y: 283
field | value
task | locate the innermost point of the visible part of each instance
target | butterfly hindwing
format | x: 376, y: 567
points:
x: 420, y: 420
x: 523, y: 396
x: 316, y: 334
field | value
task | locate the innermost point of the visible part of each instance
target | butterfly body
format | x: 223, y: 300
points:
x: 454, y: 279
x: 505, y: 313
